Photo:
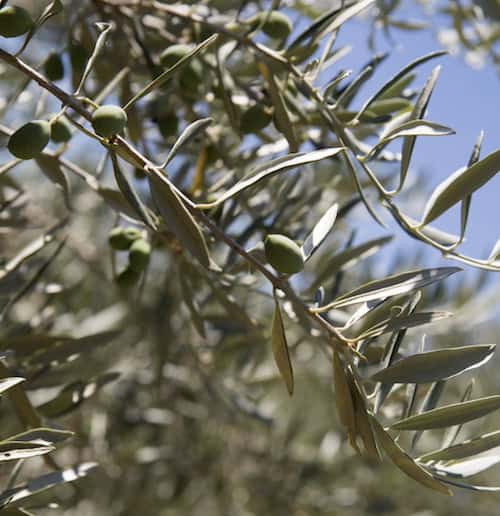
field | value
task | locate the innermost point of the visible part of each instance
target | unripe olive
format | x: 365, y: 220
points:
x: 168, y: 125
x: 60, y: 131
x: 121, y: 239
x: 283, y: 254
x: 254, y: 119
x: 30, y: 139
x: 108, y: 120
x: 276, y: 25
x: 54, y: 67
x: 14, y: 21
x: 139, y: 254
x: 190, y: 76
x: 127, y: 278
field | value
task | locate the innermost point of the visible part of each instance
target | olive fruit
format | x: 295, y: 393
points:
x: 54, y: 67
x: 30, y: 139
x: 14, y: 21
x: 121, y: 238
x: 276, y: 25
x: 108, y: 120
x: 127, y: 278
x: 254, y: 119
x: 60, y: 131
x: 283, y: 254
x: 168, y: 125
x: 190, y: 76
x: 139, y: 254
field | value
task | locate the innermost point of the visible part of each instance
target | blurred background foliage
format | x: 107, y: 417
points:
x: 169, y: 385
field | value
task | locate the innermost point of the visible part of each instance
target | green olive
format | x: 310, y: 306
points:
x: 109, y: 120
x: 60, y: 131
x: 276, y: 25
x: 283, y: 254
x: 54, y: 67
x: 30, y: 139
x: 139, y: 254
x: 14, y: 21
x: 190, y: 76
x: 121, y: 239
x: 127, y: 278
x: 168, y: 125
x: 255, y: 119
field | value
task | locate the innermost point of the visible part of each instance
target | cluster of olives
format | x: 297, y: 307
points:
x: 14, y: 21
x: 30, y: 139
x: 283, y: 254
x: 139, y: 252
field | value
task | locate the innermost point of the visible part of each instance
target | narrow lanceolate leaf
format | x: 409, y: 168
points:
x: 418, y: 112
x: 13, y: 450
x: 130, y: 194
x: 178, y: 219
x: 391, y: 82
x: 404, y: 462
x: 363, y: 423
x: 280, y: 348
x: 167, y: 74
x: 466, y: 449
x: 459, y: 185
x: 51, y: 168
x: 49, y: 436
x: 281, y: 115
x: 190, y: 132
x: 412, y: 128
x: 470, y: 466
x: 450, y: 415
x: 433, y: 366
x: 391, y: 286
x: 275, y: 167
x: 320, y: 232
x: 346, y: 14
x: 46, y: 482
x: 344, y: 399
x: 7, y: 383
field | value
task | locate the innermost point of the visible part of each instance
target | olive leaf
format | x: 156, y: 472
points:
x: 464, y: 449
x: 344, y: 398
x: 459, y: 185
x: 319, y: 232
x: 178, y: 219
x: 417, y: 113
x: 51, y: 168
x: 7, y: 383
x: 454, y: 414
x: 404, y: 462
x: 391, y: 286
x: 13, y: 450
x: 274, y: 167
x: 433, y: 366
x: 403, y: 72
x: 280, y: 348
x: 50, y: 436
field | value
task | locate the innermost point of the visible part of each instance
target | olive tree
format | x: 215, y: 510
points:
x: 192, y: 267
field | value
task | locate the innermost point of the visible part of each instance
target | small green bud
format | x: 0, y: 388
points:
x: 30, y: 139
x: 14, y: 21
x: 139, y: 254
x: 254, y: 119
x: 109, y: 120
x: 121, y: 239
x: 283, y: 254
x: 54, y: 67
x: 60, y: 131
x: 127, y: 278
